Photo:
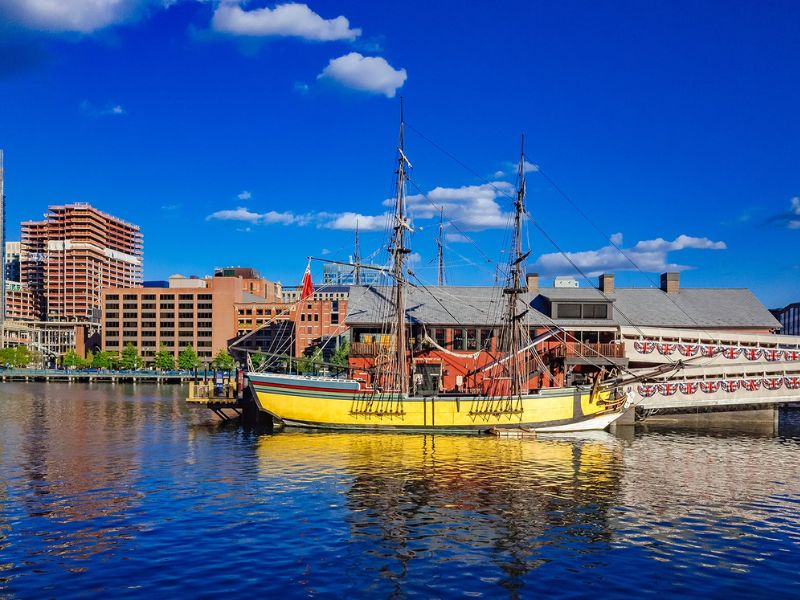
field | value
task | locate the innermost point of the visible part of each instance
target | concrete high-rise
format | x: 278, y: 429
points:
x: 67, y: 259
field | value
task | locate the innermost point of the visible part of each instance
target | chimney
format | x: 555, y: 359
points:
x: 607, y: 283
x: 671, y: 282
x: 532, y: 281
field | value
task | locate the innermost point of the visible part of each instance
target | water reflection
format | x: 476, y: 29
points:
x: 412, y: 499
x: 124, y: 491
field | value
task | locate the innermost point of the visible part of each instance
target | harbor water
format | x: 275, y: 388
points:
x: 124, y: 491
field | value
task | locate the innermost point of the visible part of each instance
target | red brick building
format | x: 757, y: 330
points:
x: 67, y: 259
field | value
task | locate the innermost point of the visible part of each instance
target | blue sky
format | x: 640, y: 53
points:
x: 250, y: 133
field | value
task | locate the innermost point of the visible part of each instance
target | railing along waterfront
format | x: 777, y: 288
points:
x: 17, y: 374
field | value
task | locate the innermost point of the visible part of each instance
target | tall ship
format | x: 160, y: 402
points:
x: 392, y: 384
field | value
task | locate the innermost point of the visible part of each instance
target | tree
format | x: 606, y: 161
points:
x: 88, y: 361
x: 310, y: 363
x: 102, y: 360
x: 8, y: 356
x: 71, y: 359
x: 223, y: 361
x: 188, y: 359
x: 130, y: 358
x: 257, y: 358
x: 164, y: 359
x: 341, y: 356
x: 22, y: 356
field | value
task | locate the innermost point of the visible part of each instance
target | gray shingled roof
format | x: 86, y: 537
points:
x: 691, y: 307
x: 455, y: 305
x: 576, y: 294
x: 449, y: 305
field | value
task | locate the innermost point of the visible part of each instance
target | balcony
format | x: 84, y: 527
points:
x: 369, y: 348
x: 576, y: 352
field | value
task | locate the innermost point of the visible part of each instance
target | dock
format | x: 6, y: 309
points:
x: 92, y: 375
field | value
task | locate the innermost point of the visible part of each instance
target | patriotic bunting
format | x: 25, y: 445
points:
x: 647, y: 390
x: 668, y: 389
x: 709, y: 387
x: 752, y: 353
x: 666, y: 349
x: 730, y: 385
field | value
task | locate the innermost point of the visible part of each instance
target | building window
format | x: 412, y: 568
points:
x: 595, y: 311
x: 458, y: 339
x: 440, y: 336
x: 568, y: 311
x: 486, y: 338
x: 472, y: 339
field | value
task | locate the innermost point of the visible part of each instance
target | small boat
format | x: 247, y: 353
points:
x: 383, y: 397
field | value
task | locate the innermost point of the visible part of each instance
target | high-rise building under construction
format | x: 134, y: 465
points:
x: 67, y: 259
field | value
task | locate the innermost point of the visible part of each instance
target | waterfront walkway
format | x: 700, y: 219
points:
x: 97, y: 375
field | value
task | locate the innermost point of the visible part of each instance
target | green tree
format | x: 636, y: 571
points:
x: 102, y: 360
x: 22, y: 357
x: 310, y: 363
x: 71, y: 359
x: 342, y: 354
x: 164, y: 359
x: 88, y: 361
x: 188, y: 359
x: 8, y: 356
x: 257, y: 358
x: 130, y: 358
x: 223, y: 361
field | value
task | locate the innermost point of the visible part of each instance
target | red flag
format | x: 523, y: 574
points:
x: 308, y: 285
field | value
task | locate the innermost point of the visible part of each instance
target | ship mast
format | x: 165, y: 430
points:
x: 516, y: 287
x: 357, y: 260
x: 399, y: 251
x: 440, y: 253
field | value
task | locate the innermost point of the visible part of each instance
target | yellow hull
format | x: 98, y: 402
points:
x: 338, y: 404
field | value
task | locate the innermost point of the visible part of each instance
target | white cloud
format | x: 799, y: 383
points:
x: 114, y: 110
x: 471, y: 207
x: 499, y: 173
x: 616, y: 239
x: 341, y: 221
x: 795, y: 212
x: 238, y: 214
x: 347, y: 221
x: 287, y: 20
x: 365, y: 73
x: 457, y: 238
x: 244, y: 195
x: 81, y: 16
x: 325, y: 252
x: 647, y: 255
x: 529, y: 167
x: 679, y: 243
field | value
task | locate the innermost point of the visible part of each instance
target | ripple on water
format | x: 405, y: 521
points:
x: 125, y: 492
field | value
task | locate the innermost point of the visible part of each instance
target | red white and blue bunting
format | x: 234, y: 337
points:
x: 689, y: 350
x: 710, y: 386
